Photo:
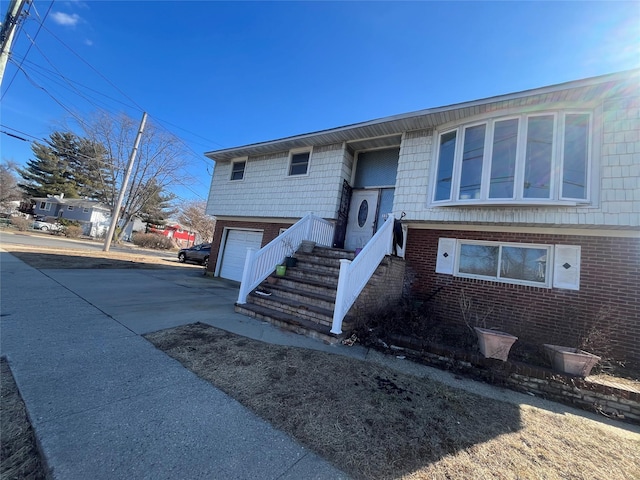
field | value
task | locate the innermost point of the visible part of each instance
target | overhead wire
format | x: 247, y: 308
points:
x: 71, y: 85
x: 40, y: 24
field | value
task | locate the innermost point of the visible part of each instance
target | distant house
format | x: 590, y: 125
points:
x: 180, y: 235
x: 528, y: 203
x: 94, y: 216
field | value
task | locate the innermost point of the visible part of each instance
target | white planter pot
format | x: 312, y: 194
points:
x: 494, y: 343
x: 571, y: 360
x: 307, y: 246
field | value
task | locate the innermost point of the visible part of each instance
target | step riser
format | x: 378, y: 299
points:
x: 328, y: 253
x: 303, y: 287
x: 300, y: 297
x: 328, y: 280
x: 291, y: 310
x: 290, y: 327
x: 319, y: 268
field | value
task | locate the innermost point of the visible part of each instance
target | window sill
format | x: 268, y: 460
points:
x: 511, y: 203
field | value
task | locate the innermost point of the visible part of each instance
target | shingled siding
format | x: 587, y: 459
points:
x: 610, y: 275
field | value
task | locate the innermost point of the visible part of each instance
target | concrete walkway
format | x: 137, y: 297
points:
x: 105, y: 403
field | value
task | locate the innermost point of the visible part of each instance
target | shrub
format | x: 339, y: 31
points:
x: 21, y: 223
x: 152, y: 240
x: 73, y: 231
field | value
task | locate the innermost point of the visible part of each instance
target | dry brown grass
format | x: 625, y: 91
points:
x: 375, y: 423
x: 45, y: 257
x: 19, y: 458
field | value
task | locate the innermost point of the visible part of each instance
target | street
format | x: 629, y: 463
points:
x: 37, y: 239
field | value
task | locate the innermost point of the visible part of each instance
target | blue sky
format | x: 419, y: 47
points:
x: 224, y: 74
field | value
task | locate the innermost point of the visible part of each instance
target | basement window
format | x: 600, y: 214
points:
x: 545, y: 266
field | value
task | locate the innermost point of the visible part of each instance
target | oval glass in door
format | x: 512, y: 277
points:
x: 363, y: 213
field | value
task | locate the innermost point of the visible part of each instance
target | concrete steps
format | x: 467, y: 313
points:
x: 303, y: 300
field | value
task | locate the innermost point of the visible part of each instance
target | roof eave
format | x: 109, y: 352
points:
x: 417, y: 120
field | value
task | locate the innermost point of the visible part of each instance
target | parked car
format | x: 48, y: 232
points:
x: 197, y: 254
x: 46, y: 226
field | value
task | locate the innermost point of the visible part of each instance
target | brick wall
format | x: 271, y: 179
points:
x: 617, y: 401
x: 384, y: 288
x: 610, y: 275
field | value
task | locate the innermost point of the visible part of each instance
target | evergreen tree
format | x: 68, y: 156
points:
x: 156, y: 206
x: 66, y: 164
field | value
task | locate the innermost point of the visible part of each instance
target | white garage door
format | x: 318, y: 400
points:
x: 235, y: 252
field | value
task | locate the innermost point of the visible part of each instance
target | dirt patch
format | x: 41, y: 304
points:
x: 68, y: 258
x: 375, y: 423
x: 19, y: 457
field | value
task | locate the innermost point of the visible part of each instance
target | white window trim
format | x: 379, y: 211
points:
x: 244, y: 171
x: 295, y: 152
x: 557, y: 162
x: 562, y: 269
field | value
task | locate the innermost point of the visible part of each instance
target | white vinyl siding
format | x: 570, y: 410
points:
x: 267, y: 190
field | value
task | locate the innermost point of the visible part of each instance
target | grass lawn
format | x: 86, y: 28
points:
x: 375, y: 423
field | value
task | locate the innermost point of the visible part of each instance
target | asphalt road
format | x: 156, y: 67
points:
x: 37, y: 239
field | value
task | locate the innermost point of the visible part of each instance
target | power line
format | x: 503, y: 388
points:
x: 74, y: 88
x: 34, y: 38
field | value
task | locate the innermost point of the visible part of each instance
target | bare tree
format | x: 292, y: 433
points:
x: 192, y: 215
x: 9, y: 190
x: 160, y: 164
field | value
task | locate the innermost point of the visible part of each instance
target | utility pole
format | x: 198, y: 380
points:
x: 6, y: 32
x: 116, y: 211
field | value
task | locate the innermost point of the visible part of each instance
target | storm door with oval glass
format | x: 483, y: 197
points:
x: 362, y: 218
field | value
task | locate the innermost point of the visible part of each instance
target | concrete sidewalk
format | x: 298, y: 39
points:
x: 105, y: 404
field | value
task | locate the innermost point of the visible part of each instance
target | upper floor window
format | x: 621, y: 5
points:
x: 299, y: 163
x: 45, y: 206
x: 237, y: 170
x: 533, y: 158
x: 69, y: 207
x: 85, y: 210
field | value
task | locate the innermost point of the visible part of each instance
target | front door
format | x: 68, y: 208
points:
x: 362, y: 218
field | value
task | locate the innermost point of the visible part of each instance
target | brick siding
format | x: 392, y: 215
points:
x: 610, y: 275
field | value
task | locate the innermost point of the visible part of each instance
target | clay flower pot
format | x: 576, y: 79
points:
x: 571, y: 360
x: 307, y: 246
x: 494, y: 343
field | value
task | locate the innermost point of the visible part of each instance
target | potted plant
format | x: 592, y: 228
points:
x: 571, y: 360
x: 289, y: 260
x: 307, y: 246
x: 492, y: 343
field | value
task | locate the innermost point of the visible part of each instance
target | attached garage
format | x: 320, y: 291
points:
x: 236, y: 243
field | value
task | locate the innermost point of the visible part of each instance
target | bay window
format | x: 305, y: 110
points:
x: 524, y: 159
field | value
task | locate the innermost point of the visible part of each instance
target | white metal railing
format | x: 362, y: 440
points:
x: 259, y: 264
x: 355, y: 274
